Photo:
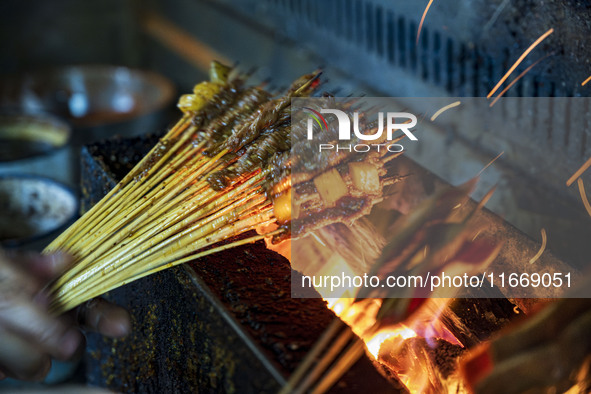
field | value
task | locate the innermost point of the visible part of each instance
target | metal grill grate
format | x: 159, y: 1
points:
x: 375, y: 42
x: 381, y: 34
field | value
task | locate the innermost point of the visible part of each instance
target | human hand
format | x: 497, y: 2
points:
x: 29, y: 336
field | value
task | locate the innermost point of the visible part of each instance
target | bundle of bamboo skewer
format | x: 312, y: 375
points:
x: 224, y: 169
x: 176, y: 203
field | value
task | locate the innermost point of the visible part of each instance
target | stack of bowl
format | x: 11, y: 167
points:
x: 98, y: 101
x: 94, y: 102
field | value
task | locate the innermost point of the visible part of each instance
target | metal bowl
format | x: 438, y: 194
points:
x: 33, y: 209
x: 90, y: 97
x: 35, y: 145
x: 25, y: 137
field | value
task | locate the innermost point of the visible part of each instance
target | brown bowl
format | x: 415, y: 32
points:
x: 95, y: 99
x: 88, y: 95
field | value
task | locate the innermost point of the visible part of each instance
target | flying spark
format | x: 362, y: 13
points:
x: 542, y: 248
x: 423, y: 20
x: 584, y: 196
x: 490, y: 163
x: 513, y: 82
x: 523, y: 55
x: 586, y: 80
x: 579, y: 172
x: 442, y: 110
x: 495, y: 16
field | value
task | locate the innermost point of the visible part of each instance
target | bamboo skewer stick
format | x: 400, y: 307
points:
x: 170, y: 218
x: 208, y: 252
x: 65, y: 307
x: 102, y: 205
x: 152, y: 201
x: 69, y: 300
x: 163, y: 238
x: 330, y: 345
x: 343, y: 364
x: 312, y: 355
x: 157, y: 242
x: 77, y: 279
x: 132, y: 233
x: 81, y: 267
x: 131, y: 193
x: 195, y: 233
x: 328, y: 357
x: 96, y: 251
x: 172, y: 207
x: 96, y: 240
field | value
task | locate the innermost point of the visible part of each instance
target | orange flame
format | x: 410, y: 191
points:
x: 361, y: 316
x: 375, y: 343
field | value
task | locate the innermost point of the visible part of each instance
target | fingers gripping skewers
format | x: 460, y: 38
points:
x: 222, y: 170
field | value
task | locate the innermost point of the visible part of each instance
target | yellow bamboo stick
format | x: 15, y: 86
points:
x: 91, y: 227
x: 189, y: 243
x: 101, y: 205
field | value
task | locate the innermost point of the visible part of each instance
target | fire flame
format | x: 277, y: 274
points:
x: 375, y: 343
x: 418, y: 373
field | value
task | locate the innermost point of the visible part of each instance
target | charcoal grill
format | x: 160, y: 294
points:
x: 228, y: 322
x: 225, y: 323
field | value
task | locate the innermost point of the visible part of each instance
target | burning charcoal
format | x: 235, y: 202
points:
x: 441, y: 354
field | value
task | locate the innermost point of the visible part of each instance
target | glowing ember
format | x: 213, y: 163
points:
x: 542, y: 248
x: 360, y: 317
x: 406, y: 334
x: 375, y: 343
x: 442, y: 110
x: 423, y: 20
x: 513, y: 82
x: 514, y: 66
